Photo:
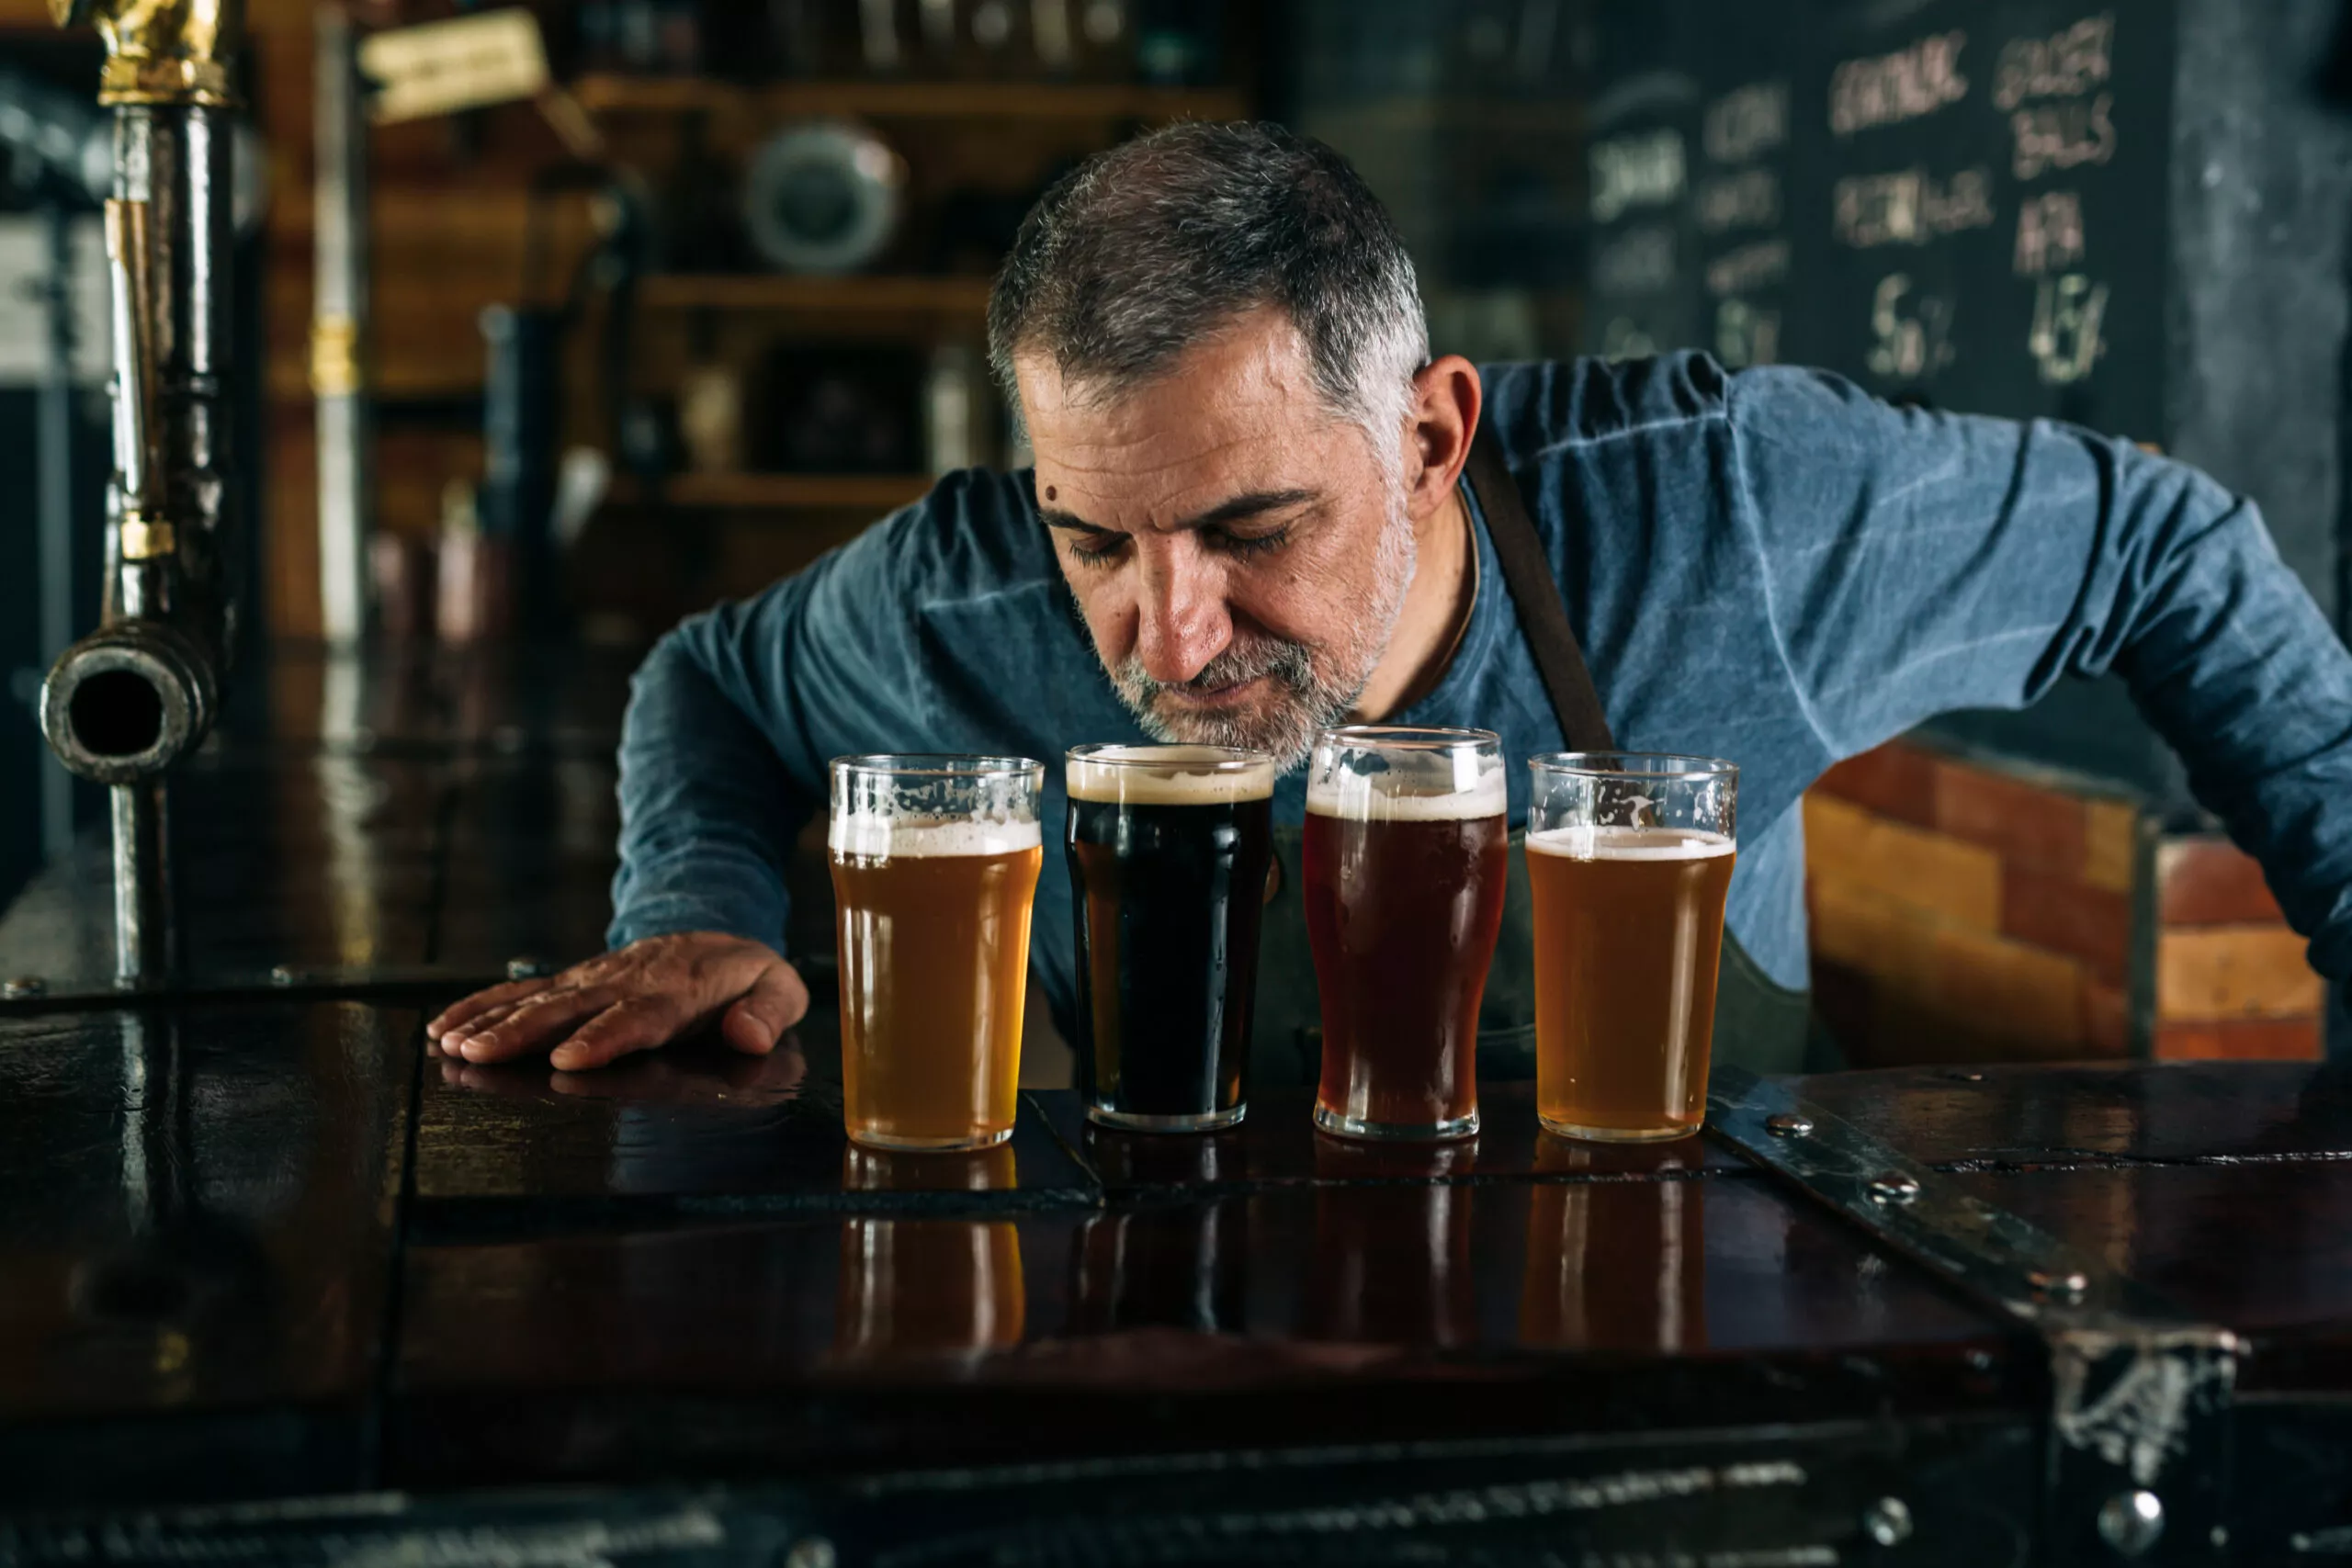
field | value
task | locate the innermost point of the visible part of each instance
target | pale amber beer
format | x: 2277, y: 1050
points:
x: 1630, y: 859
x: 934, y: 864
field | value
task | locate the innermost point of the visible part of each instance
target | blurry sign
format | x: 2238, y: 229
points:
x: 440, y: 68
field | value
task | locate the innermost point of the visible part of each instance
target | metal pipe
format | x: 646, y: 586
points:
x: 124, y: 703
x: 338, y: 324
x: 56, y: 511
x: 146, y: 934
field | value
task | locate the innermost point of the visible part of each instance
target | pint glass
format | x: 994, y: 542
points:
x: 1629, y: 856
x: 1169, y: 847
x: 934, y: 861
x: 1404, y: 859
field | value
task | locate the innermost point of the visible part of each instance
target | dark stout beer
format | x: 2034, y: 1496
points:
x: 1404, y: 890
x: 1169, y: 848
x: 1629, y: 926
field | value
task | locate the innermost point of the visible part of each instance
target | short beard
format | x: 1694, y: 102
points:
x: 1313, y: 694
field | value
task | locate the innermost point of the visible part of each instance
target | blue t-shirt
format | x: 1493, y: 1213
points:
x: 1772, y: 567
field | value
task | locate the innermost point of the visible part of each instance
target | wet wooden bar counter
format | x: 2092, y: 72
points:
x: 280, y: 1284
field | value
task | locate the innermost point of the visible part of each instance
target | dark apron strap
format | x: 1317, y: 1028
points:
x: 1759, y: 1025
x: 1542, y: 612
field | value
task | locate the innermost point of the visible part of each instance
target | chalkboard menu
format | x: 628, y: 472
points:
x: 1988, y: 204
x: 2127, y: 215
x: 1688, y: 181
x: 1955, y: 202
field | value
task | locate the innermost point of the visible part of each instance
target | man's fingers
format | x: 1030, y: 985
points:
x: 773, y: 1004
x: 637, y: 1023
x: 459, y: 1013
x: 532, y: 1025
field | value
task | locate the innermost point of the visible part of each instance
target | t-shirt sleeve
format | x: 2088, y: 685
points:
x: 1920, y: 563
x: 731, y: 720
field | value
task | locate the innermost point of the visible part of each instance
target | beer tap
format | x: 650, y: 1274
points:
x: 126, y: 703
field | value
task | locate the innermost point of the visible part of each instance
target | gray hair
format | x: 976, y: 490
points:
x: 1144, y: 249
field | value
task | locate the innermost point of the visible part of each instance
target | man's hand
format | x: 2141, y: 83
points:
x: 645, y: 995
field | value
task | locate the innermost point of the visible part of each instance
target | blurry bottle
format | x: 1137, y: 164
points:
x: 882, y: 45
x: 951, y: 409
x: 474, y: 598
x: 711, y: 418
x: 992, y: 27
x: 1053, y: 35
x: 1106, y: 51
x: 1180, y: 43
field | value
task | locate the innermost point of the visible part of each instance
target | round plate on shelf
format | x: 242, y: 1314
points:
x: 823, y: 196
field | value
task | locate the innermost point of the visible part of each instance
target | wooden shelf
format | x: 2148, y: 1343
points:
x: 780, y: 493
x: 908, y: 100
x: 961, y: 297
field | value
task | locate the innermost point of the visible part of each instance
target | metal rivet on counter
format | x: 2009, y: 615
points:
x: 23, y: 989
x: 1789, y: 1124
x: 813, y: 1552
x: 1893, y: 1187
x: 2066, y: 1287
x: 1888, y: 1521
x: 2132, y: 1522
x: 528, y: 968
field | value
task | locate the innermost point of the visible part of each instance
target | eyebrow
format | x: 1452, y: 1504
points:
x: 1253, y: 504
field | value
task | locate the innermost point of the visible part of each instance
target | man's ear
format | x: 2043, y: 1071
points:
x: 1444, y: 420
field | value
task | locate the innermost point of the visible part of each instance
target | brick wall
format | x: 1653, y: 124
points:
x: 1963, y: 911
x: 2230, y: 975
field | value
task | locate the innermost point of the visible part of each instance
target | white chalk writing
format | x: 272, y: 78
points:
x: 2062, y: 136
x: 1748, y: 268
x: 1746, y: 123
x: 1910, y: 207
x: 1638, y: 260
x: 1912, y: 331
x: 2069, y: 61
x: 1749, y: 199
x: 2069, y: 318
x: 1747, y: 335
x: 1889, y: 88
x: 1641, y: 169
x: 2050, y: 233
x: 1624, y: 338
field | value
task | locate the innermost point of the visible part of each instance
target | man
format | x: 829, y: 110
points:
x: 1247, y: 484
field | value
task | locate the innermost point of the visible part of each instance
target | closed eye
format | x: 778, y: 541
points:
x: 1248, y: 543
x: 1098, y: 550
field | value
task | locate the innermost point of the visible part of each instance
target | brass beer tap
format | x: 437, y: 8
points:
x: 126, y: 703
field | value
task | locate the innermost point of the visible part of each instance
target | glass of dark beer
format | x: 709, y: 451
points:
x: 1405, y: 860
x: 1169, y: 847
x: 1629, y: 856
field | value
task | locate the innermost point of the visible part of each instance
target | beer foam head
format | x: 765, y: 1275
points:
x: 1167, y: 775
x: 1409, y: 796
x: 873, y: 835
x: 1588, y: 842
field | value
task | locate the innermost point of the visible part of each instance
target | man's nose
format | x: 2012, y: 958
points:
x: 1182, y: 622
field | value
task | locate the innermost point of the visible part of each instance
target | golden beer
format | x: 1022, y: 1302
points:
x: 934, y: 927
x: 1629, y: 927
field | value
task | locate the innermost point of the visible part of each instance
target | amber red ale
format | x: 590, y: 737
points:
x: 1404, y: 899
x: 1629, y: 927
